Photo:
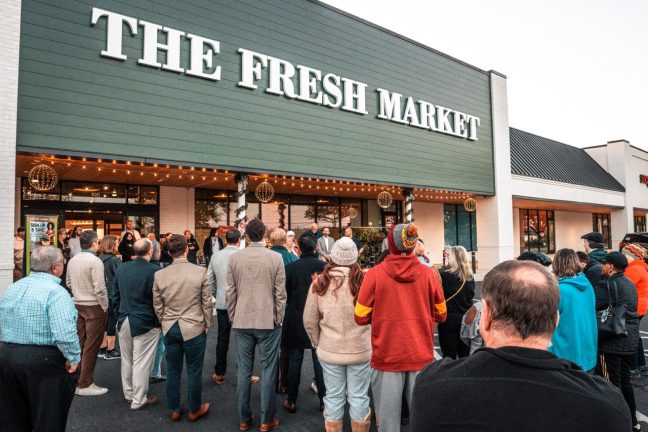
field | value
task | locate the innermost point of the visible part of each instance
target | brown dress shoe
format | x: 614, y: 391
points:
x: 218, y: 379
x: 255, y: 379
x: 246, y: 425
x: 150, y: 400
x: 290, y: 407
x: 274, y: 424
x: 202, y: 412
x: 176, y: 416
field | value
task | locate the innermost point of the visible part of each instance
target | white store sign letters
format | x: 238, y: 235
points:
x: 292, y: 81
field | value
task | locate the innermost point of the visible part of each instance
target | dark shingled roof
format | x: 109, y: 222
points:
x: 535, y: 156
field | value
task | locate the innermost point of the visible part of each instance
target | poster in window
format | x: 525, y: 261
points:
x: 40, y: 231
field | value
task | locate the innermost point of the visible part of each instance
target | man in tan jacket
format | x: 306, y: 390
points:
x: 182, y: 302
x: 256, y: 302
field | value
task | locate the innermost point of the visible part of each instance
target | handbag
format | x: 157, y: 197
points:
x: 611, y: 321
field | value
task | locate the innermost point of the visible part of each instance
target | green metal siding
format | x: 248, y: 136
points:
x: 73, y: 100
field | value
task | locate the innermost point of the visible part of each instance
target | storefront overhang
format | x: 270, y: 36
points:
x: 101, y: 170
x: 537, y: 204
x: 564, y: 194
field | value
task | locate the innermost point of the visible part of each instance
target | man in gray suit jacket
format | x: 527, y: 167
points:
x: 256, y: 302
x: 325, y: 244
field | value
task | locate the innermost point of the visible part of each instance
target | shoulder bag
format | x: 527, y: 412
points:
x: 611, y: 321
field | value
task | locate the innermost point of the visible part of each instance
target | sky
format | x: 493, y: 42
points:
x: 577, y: 71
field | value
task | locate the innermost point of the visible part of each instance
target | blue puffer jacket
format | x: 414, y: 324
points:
x: 576, y: 336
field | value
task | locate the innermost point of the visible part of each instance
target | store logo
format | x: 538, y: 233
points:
x: 292, y: 81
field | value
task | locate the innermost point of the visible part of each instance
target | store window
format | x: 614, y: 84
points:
x: 640, y: 223
x: 537, y: 231
x: 460, y: 227
x: 601, y: 224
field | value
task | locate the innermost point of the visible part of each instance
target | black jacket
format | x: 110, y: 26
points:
x: 207, y: 246
x: 463, y: 300
x: 627, y: 295
x: 191, y: 256
x: 514, y: 389
x: 126, y: 249
x: 111, y: 264
x: 133, y: 296
x: 298, y: 282
x: 593, y: 271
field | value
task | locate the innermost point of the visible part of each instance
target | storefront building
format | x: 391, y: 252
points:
x: 158, y: 112
x: 173, y: 116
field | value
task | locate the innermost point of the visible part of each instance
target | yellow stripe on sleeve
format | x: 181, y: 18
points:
x: 362, y: 310
x: 440, y: 307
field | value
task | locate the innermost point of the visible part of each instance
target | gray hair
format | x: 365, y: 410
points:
x: 44, y: 257
x: 87, y: 238
x: 156, y: 249
x: 142, y: 246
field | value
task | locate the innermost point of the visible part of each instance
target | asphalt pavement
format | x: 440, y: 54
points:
x: 111, y: 412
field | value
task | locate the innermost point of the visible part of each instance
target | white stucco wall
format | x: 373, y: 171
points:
x: 9, y: 47
x: 428, y: 218
x: 570, y: 226
x: 177, y: 209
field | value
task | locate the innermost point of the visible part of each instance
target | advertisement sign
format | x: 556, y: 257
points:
x: 39, y: 231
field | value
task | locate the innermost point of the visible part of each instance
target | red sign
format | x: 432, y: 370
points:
x: 643, y: 179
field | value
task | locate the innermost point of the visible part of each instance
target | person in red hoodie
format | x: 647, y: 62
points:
x: 401, y: 299
x: 637, y: 272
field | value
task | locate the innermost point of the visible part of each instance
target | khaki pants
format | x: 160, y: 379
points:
x: 137, y: 354
x: 91, y: 325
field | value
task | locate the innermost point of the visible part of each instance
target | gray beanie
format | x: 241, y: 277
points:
x: 344, y: 252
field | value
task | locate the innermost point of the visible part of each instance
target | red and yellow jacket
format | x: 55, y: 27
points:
x: 637, y: 272
x: 402, y: 299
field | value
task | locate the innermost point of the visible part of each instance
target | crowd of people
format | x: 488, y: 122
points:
x: 551, y: 344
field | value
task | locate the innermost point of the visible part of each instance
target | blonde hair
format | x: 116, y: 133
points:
x: 459, y: 263
x: 278, y: 237
x: 108, y: 245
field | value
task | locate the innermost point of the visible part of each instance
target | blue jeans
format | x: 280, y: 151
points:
x: 193, y: 351
x: 157, y: 363
x: 246, y: 342
x: 296, y: 358
x: 222, y: 344
x: 350, y: 379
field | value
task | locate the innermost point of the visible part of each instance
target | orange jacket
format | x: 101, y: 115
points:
x: 637, y: 272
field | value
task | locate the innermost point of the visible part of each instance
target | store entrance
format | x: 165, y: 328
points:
x: 103, y: 222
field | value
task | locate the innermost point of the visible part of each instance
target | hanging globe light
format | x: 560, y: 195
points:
x: 42, y: 177
x: 385, y: 199
x: 352, y: 212
x: 264, y: 192
x: 470, y: 204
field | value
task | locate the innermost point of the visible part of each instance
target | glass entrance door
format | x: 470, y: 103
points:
x: 103, y: 222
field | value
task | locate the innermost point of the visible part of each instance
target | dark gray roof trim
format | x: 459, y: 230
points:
x: 535, y: 156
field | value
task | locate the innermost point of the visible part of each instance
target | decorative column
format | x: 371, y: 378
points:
x: 241, y: 180
x: 409, y: 199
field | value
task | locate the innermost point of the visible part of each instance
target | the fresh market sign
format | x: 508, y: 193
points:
x: 292, y: 81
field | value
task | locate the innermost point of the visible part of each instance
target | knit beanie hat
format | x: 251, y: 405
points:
x: 402, y: 239
x: 635, y: 251
x: 344, y: 252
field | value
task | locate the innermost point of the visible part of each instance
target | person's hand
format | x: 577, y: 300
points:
x: 206, y: 330
x: 71, y: 368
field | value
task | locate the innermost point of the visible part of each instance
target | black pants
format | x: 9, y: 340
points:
x: 616, y: 368
x: 449, y: 340
x: 296, y: 358
x: 35, y: 389
x: 222, y: 344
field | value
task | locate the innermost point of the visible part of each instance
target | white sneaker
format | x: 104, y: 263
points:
x: 91, y: 390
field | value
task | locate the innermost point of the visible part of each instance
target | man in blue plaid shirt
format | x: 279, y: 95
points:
x: 39, y: 352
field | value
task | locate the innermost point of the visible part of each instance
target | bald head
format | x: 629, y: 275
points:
x: 143, y: 248
x: 523, y: 298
